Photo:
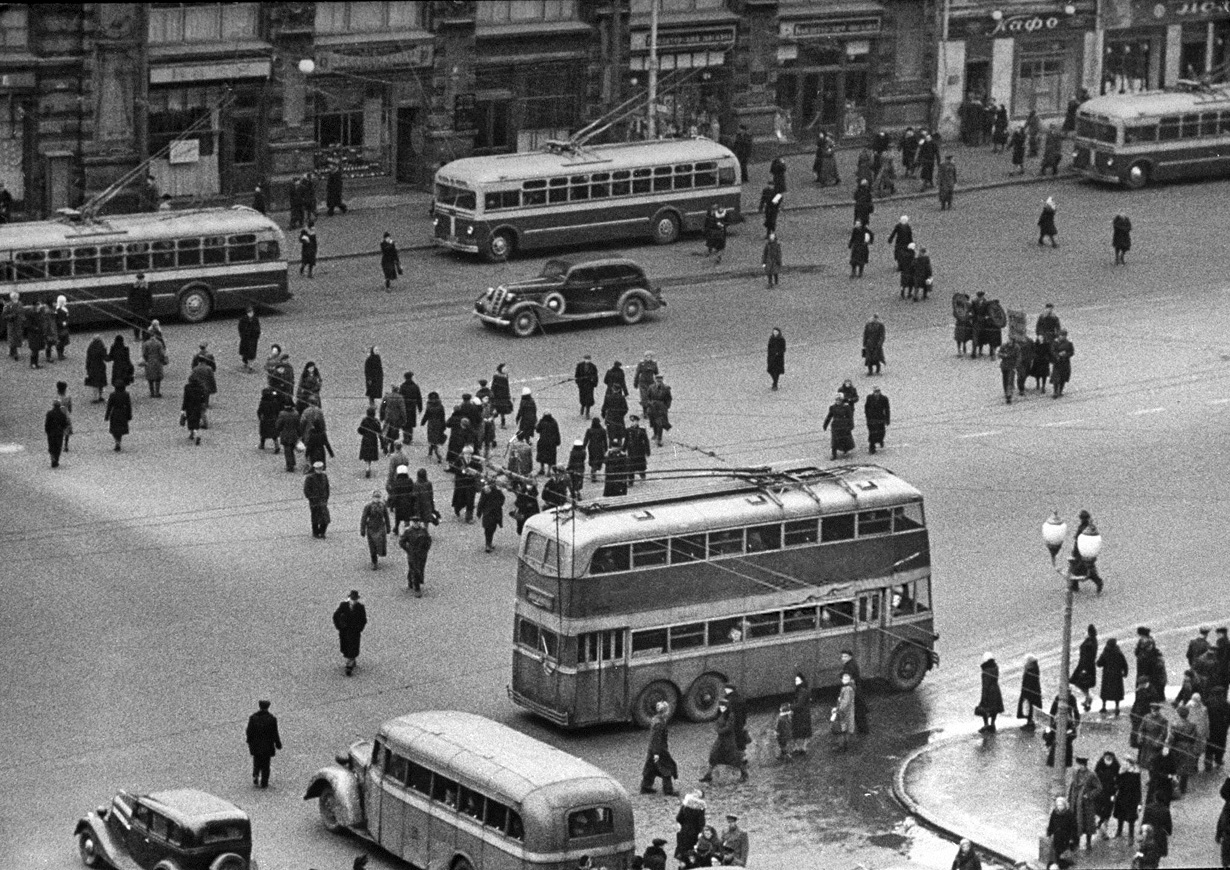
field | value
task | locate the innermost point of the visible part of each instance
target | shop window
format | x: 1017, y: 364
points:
x: 1191, y: 57
x: 1127, y: 66
x: 492, y: 120
x: 14, y: 27
x: 910, y: 60
x: 344, y: 129
x: 168, y: 124
x: 201, y: 22
x: 519, y: 11
x: 369, y: 17
x: 1040, y: 84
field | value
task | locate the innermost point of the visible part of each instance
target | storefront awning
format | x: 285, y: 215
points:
x: 688, y: 60
x: 171, y: 74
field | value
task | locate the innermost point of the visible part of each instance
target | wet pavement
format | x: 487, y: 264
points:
x: 995, y: 790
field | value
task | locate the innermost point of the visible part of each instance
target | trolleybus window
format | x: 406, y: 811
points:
x: 683, y: 176
x: 164, y: 254
x: 138, y: 257
x: 85, y: 261
x: 496, y: 815
x: 839, y: 614
x: 534, y: 192
x: 764, y: 624
x: 799, y: 619
x: 800, y: 532
x: 761, y: 538
x: 706, y: 174
x: 590, y: 822
x: 419, y: 778
x: 640, y: 180
x: 59, y: 263
x: 242, y: 248
x: 188, y: 252
x: 557, y: 190
x: 1168, y: 130
x: 606, y: 646
x: 30, y: 266
x: 687, y: 548
x: 1140, y: 133
x: 646, y: 554
x: 723, y: 631
x: 837, y: 528
x: 601, y: 187
x: 472, y: 803
x: 875, y: 523
x: 111, y: 258
x: 396, y: 768
x: 662, y: 178
x: 648, y: 643
x: 725, y: 543
x: 621, y: 184
x: 907, y: 518
x: 687, y: 636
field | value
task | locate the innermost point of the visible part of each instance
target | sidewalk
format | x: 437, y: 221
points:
x: 995, y: 790
x: 404, y: 212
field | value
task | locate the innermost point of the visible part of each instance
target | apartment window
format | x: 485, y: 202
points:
x: 14, y: 27
x: 201, y: 22
x: 518, y: 11
x: 370, y: 17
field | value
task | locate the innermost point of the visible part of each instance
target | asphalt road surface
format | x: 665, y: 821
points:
x: 153, y: 596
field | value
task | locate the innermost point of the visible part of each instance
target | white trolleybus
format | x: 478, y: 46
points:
x: 622, y: 603
x: 196, y: 262
x: 1139, y: 139
x: 576, y: 194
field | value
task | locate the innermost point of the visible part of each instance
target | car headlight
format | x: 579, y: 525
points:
x: 1110, y: 161
x: 469, y: 231
x: 490, y: 292
x: 435, y: 222
x: 511, y: 297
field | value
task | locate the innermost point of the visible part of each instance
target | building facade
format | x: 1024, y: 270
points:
x: 211, y: 99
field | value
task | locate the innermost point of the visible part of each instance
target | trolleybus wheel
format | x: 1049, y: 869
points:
x: 499, y: 247
x: 665, y: 228
x: 700, y: 704
x: 907, y: 667
x: 647, y: 702
x: 195, y: 304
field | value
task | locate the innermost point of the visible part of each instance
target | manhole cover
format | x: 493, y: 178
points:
x: 11, y: 448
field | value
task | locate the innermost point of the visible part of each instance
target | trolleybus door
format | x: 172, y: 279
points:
x: 602, y: 675
x: 868, y: 633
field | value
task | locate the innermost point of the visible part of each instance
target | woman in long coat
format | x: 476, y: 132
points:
x: 96, y: 367
x: 843, y: 714
x: 841, y: 416
x: 121, y: 363
x: 501, y: 393
x: 1114, y: 672
x: 390, y: 261
x: 991, y: 701
x: 433, y: 420
x: 595, y: 447
x: 118, y: 413
x: 1040, y: 367
x: 1046, y: 223
x: 860, y: 252
x: 1107, y: 772
x: 154, y: 355
x: 310, y: 383
x: 249, y: 337
x: 725, y: 749
x: 548, y: 443
x: 777, y: 355
x: 1031, y: 693
x: 1127, y: 798
x: 1085, y: 676
x: 800, y: 708
x: 1121, y: 237
x: 374, y: 526
x: 267, y: 411
x: 193, y: 408
x: 369, y: 439
x: 373, y: 375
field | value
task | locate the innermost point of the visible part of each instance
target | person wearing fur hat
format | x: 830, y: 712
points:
x: 1046, y: 223
x: 691, y: 819
x: 991, y: 701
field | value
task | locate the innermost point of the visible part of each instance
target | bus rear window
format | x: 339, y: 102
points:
x: 536, y: 638
x: 224, y: 832
x: 590, y: 822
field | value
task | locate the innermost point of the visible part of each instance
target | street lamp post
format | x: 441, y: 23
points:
x: 1088, y: 545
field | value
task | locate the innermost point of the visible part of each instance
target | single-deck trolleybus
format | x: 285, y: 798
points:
x: 196, y: 262
x: 622, y: 603
x: 572, y: 194
x: 1138, y: 139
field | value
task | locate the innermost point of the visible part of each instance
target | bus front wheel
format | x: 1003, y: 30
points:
x: 907, y: 668
x: 700, y: 704
x: 499, y: 247
x: 1138, y: 176
x: 665, y: 228
x: 462, y: 863
x: 647, y: 702
x: 195, y: 304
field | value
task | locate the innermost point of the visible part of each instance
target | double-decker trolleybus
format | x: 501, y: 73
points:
x: 571, y: 194
x: 1138, y: 139
x: 622, y: 603
x: 196, y: 262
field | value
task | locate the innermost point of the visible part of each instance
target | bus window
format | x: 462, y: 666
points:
x: 593, y: 646
x: 838, y: 528
x: 1191, y: 126
x: 590, y: 822
x: 1140, y: 133
x: 609, y: 559
x: 472, y: 803
x: 879, y: 522
x: 799, y: 619
x: 761, y: 538
x: 137, y: 259
x: 601, y: 187
x: 241, y: 249
x: 646, y: 554
x: 59, y: 264
x: 764, y: 624
x: 215, y: 249
x: 498, y: 199
x: 724, y: 631
x: 31, y: 266
x: 1225, y: 122
x: 907, y: 518
x: 621, y: 183
x: 265, y: 251
x: 163, y: 256
x: 419, y: 778
x: 839, y: 615
x: 540, y: 639
x: 496, y: 815
x: 579, y: 188
x: 640, y: 180
x: 1168, y: 130
x: 687, y: 636
x: 534, y: 192
x: 111, y: 258
x: 85, y: 261
x: 651, y: 642
x: 1208, y: 124
x: 726, y: 176
x: 706, y: 174
x: 662, y: 178
x: 6, y: 268
x: 725, y: 543
x: 683, y: 176
x: 444, y: 790
x: 558, y: 190
x: 869, y: 607
x: 188, y: 252
x: 515, y: 829
x: 687, y: 548
x: 396, y: 768
x: 799, y: 532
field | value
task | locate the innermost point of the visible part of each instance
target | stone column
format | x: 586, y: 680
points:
x: 118, y: 72
x: 292, y: 140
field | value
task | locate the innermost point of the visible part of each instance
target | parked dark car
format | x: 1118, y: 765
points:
x: 569, y: 290
x: 182, y: 829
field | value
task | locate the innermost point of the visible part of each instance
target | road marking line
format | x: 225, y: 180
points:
x: 1090, y: 307
x: 982, y: 434
x: 1147, y: 411
x: 1161, y: 298
x: 1219, y: 401
x: 1068, y: 422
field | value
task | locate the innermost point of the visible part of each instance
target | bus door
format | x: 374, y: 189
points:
x: 869, y: 630
x: 602, y: 675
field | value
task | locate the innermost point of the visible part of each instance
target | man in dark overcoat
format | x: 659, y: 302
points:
x: 877, y: 411
x: 334, y: 182
x: 263, y: 743
x: 617, y: 474
x: 416, y: 541
x: 841, y: 416
x: 658, y: 760
x: 873, y: 344
x: 316, y: 491
x: 54, y: 426
x: 658, y: 401
x: 586, y: 377
x: 140, y: 305
x: 636, y: 442
x: 350, y: 619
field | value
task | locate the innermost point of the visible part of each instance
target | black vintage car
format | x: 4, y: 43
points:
x: 569, y: 290
x: 182, y: 829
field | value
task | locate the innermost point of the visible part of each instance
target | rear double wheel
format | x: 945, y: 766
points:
x: 646, y: 704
